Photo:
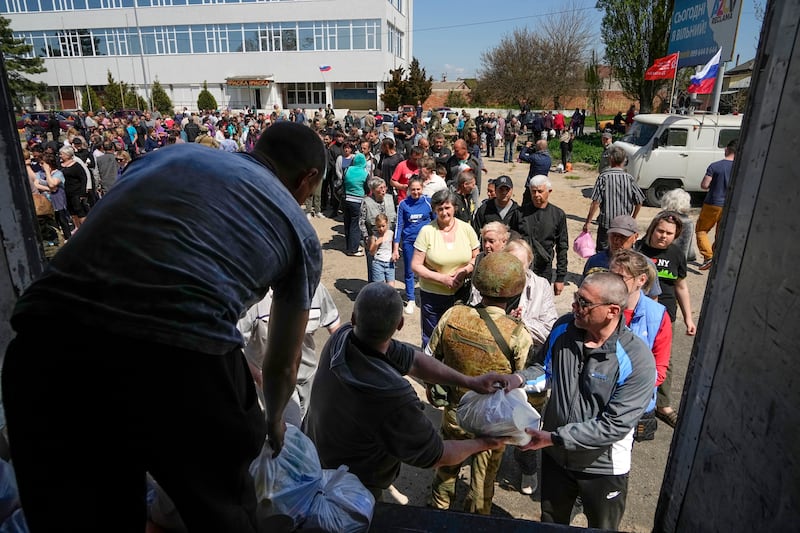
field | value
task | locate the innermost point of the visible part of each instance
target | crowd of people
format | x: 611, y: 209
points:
x: 487, y: 276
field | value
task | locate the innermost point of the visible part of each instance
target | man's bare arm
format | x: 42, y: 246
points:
x: 287, y: 329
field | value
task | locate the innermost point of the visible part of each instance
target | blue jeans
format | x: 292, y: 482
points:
x: 508, y: 152
x: 352, y: 234
x: 408, y: 274
x: 433, y: 307
x: 382, y: 271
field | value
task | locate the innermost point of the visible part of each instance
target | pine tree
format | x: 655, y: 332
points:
x: 91, y: 101
x: 133, y: 100
x: 160, y: 98
x: 406, y: 90
x: 394, y: 91
x: 17, y: 65
x: 418, y: 86
x: 206, y: 100
x: 112, y: 97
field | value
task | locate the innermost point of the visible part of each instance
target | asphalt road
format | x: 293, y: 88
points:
x: 344, y: 276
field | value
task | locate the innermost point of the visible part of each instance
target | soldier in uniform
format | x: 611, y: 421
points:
x: 463, y: 341
x: 450, y: 130
x: 469, y: 125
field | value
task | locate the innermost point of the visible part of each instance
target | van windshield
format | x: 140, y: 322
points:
x: 640, y: 133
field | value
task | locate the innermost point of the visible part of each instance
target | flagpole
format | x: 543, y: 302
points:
x: 672, y: 91
x: 718, y: 88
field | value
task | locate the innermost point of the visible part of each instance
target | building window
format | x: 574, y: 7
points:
x: 212, y: 38
x: 398, y: 4
x: 305, y: 94
x: 395, y: 41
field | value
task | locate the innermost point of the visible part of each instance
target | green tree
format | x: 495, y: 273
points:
x: 636, y: 33
x: 133, y: 100
x: 456, y: 99
x: 402, y: 89
x: 206, y: 100
x: 594, y: 87
x: 91, y: 101
x: 113, y: 94
x: 393, y: 92
x: 18, y: 64
x: 418, y: 85
x: 160, y: 98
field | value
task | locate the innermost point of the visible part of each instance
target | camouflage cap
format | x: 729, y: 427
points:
x: 499, y: 275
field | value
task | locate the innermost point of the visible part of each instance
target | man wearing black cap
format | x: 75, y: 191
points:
x: 502, y: 208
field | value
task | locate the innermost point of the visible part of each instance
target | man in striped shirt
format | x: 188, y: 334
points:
x: 615, y: 193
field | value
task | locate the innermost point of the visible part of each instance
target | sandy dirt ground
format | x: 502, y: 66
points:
x: 345, y: 276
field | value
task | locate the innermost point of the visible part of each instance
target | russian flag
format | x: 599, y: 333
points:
x: 324, y: 68
x: 703, y: 80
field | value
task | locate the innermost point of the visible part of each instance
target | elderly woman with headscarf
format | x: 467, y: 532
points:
x: 378, y: 202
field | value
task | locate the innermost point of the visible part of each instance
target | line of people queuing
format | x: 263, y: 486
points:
x: 446, y: 253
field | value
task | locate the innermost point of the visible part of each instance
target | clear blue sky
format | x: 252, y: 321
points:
x: 450, y: 36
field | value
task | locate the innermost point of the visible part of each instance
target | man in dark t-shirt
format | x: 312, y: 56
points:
x: 716, y: 182
x: 365, y: 414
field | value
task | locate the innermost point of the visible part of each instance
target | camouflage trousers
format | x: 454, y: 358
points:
x: 482, y: 473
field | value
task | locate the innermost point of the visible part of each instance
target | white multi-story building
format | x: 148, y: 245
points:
x: 256, y: 53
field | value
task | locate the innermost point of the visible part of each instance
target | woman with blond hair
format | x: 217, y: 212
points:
x: 648, y: 319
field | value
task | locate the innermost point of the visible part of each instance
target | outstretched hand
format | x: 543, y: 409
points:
x: 488, y: 383
x: 539, y: 439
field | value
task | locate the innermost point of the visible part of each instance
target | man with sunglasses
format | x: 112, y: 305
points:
x: 601, y: 379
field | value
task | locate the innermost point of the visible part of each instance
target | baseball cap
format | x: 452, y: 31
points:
x: 503, y: 181
x: 624, y: 225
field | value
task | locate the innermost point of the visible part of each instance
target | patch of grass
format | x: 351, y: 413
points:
x: 572, y: 177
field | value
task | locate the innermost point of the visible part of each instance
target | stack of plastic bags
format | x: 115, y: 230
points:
x: 295, y: 485
x: 498, y: 415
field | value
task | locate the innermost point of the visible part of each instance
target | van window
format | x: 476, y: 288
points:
x: 640, y: 133
x: 674, y: 137
x: 726, y: 136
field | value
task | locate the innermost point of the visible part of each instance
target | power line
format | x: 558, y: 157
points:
x: 416, y: 30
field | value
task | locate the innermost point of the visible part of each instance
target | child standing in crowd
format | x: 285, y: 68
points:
x: 380, y: 246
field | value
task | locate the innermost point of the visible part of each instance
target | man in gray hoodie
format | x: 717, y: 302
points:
x: 365, y: 414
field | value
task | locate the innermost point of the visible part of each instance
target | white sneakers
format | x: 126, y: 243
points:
x: 410, y: 307
x: 528, y: 484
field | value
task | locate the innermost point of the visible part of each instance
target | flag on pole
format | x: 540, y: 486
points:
x: 663, y: 68
x: 703, y: 80
x: 324, y: 68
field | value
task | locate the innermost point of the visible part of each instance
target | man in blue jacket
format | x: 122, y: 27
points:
x: 539, y: 158
x: 601, y: 379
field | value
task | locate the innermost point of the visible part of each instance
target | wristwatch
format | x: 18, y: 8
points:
x: 557, y: 440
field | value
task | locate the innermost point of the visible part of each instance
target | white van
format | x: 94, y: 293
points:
x: 666, y: 152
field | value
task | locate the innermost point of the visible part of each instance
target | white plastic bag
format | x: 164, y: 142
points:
x: 498, y: 415
x: 342, y: 504
x: 288, y: 483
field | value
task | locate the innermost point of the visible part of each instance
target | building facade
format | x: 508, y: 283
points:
x: 293, y: 53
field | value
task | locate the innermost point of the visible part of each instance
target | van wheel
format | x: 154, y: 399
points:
x: 658, y: 190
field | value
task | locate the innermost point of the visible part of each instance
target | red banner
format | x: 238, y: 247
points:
x: 663, y: 69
